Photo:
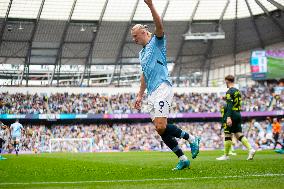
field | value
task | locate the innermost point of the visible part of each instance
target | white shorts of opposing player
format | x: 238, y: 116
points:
x: 269, y: 136
x: 159, y: 102
x: 16, y: 138
x: 261, y: 138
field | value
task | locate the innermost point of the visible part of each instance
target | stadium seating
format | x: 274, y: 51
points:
x: 125, y: 137
x: 254, y: 99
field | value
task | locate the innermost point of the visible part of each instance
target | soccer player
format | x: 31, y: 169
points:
x: 234, y: 119
x: 16, y: 131
x: 2, y: 138
x: 261, y: 133
x: 276, y: 132
x: 224, y: 126
x: 281, y: 151
x: 155, y: 78
x: 269, y: 134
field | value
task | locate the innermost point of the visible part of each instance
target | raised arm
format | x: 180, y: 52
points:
x: 159, y: 31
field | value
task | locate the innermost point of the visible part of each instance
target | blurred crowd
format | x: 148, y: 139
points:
x: 253, y: 99
x: 137, y: 136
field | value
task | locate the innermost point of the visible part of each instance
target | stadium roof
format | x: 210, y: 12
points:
x: 122, y: 10
x: 88, y: 32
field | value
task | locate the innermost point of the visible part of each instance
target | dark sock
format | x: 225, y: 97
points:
x: 172, y: 143
x: 174, y: 131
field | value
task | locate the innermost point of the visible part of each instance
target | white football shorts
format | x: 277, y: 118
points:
x: 159, y: 102
x: 16, y: 138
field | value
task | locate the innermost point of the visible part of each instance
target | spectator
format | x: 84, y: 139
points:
x: 276, y: 132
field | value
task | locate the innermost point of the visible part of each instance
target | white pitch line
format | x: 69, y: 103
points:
x: 141, y: 180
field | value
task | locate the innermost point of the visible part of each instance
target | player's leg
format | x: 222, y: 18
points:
x: 276, y: 141
x: 161, y: 100
x: 16, y: 144
x: 160, y: 125
x: 176, y: 132
x: 13, y: 142
x: 162, y: 105
x: 17, y: 147
x: 232, y: 150
x: 1, y: 145
x: 240, y: 136
x: 261, y: 140
x: 281, y: 151
x: 227, y: 143
x: 227, y: 146
x: 237, y: 130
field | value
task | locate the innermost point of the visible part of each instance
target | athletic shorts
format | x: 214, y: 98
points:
x: 236, y: 126
x: 16, y: 138
x: 261, y: 135
x: 269, y: 136
x: 159, y: 102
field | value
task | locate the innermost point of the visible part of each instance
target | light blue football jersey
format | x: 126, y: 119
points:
x: 269, y: 128
x: 16, y: 129
x: 258, y: 126
x: 153, y: 60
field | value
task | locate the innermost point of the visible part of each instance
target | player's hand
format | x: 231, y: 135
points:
x: 138, y: 102
x: 148, y: 2
x: 229, y: 121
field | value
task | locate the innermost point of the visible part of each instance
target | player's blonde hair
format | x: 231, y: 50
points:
x: 141, y: 27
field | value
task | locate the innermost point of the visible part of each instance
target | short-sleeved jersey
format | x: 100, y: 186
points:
x: 258, y: 126
x: 269, y: 128
x: 233, y: 98
x: 276, y: 127
x: 16, y: 129
x: 153, y: 60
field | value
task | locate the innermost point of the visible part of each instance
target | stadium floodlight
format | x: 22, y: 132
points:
x: 82, y: 29
x: 95, y: 29
x: 20, y: 27
x: 204, y: 36
x: 197, y: 73
x: 9, y: 28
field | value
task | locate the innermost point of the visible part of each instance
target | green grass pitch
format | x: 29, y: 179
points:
x: 275, y: 68
x: 141, y: 170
